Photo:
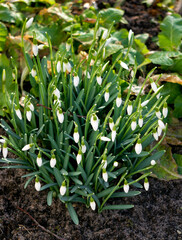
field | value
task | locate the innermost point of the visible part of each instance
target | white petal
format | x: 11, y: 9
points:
x: 161, y: 124
x: 60, y: 116
x: 133, y: 125
x: 158, y: 114
x: 129, y: 35
x: 2, y: 140
x: 26, y: 147
x: 29, y: 115
x: 105, y: 139
x: 144, y: 103
x: 94, y: 123
x: 93, y: 205
x: 105, y: 176
x: 78, y: 158
x: 138, y: 148
x: 62, y: 190
x: 146, y: 186
x: 126, y: 188
x: 140, y: 122
x: 111, y: 125
x: 35, y: 49
x: 99, y: 80
x: 33, y: 72
x: 154, y: 87
x: 5, y: 152
x: 68, y: 67
x: 18, y: 113
x: 39, y: 161
x: 153, y: 162
x: 129, y: 109
x: 124, y: 65
x: 76, y: 137
x: 115, y: 164
x: 37, y: 186
x: 159, y: 131
x: 83, y: 148
x: 31, y: 106
x: 113, y: 135
x: 58, y: 66
x: 155, y: 135
x: 104, y: 162
x: 118, y: 102
x: 106, y: 96
x: 57, y: 93
x: 29, y: 22
x: 52, y: 162
x: 76, y: 81
x: 165, y: 112
x: 104, y: 35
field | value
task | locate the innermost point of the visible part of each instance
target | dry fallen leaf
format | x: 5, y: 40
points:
x: 173, y: 78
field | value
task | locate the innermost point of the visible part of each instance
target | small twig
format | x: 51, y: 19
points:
x: 43, y: 228
x: 40, y: 105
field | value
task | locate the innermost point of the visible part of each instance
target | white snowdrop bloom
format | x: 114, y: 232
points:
x: 88, y: 75
x: 146, y: 184
x: 94, y: 122
x: 57, y: 102
x: 63, y: 189
x: 99, y: 80
x: 64, y: 67
x: 155, y: 135
x: 79, y: 157
x: 31, y: 106
x: 124, y: 65
x: 92, y: 204
x: 35, y: 49
x: 76, y: 135
x: 118, y: 120
x: 126, y: 187
x: 165, y: 110
x: 138, y: 147
x: 39, y: 160
x: 83, y: 148
x: 159, y: 131
x: 42, y: 46
x: 113, y: 134
x: 86, y: 5
x: 29, y: 22
x: 57, y: 93
x: 133, y: 125
x: 158, y: 113
x: 108, y: 41
x: 27, y: 146
x: 111, y: 123
x: 118, y: 100
x: 106, y: 95
x: 68, y: 67
x: 130, y: 35
x: 53, y: 161
x: 37, y: 185
x: 154, y: 86
x: 129, y: 108
x: 140, y: 121
x: 18, y: 113
x: 29, y: 115
x: 4, y: 75
x: 115, y: 164
x: 33, y: 72
x: 161, y: 124
x: 76, y: 81
x: 58, y: 66
x: 5, y: 150
x: 153, y: 162
x: 2, y: 140
x: 104, y: 35
x: 60, y: 115
x: 105, y: 139
x: 68, y: 47
x: 158, y: 96
x: 144, y: 103
x: 104, y: 163
x: 104, y: 175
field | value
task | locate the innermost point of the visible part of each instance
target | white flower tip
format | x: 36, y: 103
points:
x: 93, y: 205
x: 146, y: 186
x: 63, y: 190
x: 37, y: 186
x: 153, y: 162
x: 29, y: 22
x: 126, y: 188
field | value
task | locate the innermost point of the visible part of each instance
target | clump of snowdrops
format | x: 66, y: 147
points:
x: 78, y: 135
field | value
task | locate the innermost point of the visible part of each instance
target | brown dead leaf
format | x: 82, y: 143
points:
x: 172, y: 141
x: 173, y: 78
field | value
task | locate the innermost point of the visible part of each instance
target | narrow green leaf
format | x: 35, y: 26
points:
x: 117, y: 207
x: 72, y: 213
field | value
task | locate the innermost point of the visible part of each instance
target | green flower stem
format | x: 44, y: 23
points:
x: 23, y: 47
x: 129, y: 145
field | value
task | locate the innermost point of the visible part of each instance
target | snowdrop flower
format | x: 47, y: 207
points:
x: 126, y: 186
x: 92, y: 204
x: 111, y: 123
x: 165, y: 110
x: 115, y: 164
x: 105, y: 139
x: 57, y: 93
x: 144, y: 103
x: 76, y: 135
x: 79, y: 157
x: 106, y: 95
x: 58, y: 66
x: 18, y: 112
x: 33, y: 72
x: 37, y: 185
x: 76, y: 80
x: 158, y: 113
x: 42, y: 46
x: 155, y: 135
x: 129, y: 108
x: 63, y: 188
x: 39, y: 160
x: 60, y: 115
x: 130, y: 35
x: 104, y: 35
x: 146, y: 184
x: 108, y: 41
x: 158, y: 96
x: 124, y: 65
x: 118, y: 120
x: 133, y: 124
x: 35, y: 49
x: 118, y: 100
x: 68, y: 45
x: 99, y: 80
x: 2, y: 140
x: 83, y: 148
x: 138, y: 147
x: 5, y: 150
x: 154, y: 86
x: 27, y: 147
x: 113, y: 134
x: 104, y: 175
x: 94, y: 122
x: 161, y: 124
x: 159, y: 131
x: 53, y: 161
x: 28, y: 114
x: 104, y: 162
x: 31, y: 106
x: 153, y: 162
x: 29, y: 22
x: 66, y: 66
x: 140, y: 121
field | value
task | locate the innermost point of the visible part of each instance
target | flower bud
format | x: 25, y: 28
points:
x: 53, y: 161
x: 31, y: 106
x: 105, y: 139
x: 104, y: 175
x: 79, y: 157
x: 33, y: 72
x: 130, y: 35
x: 159, y: 131
x: 58, y: 66
x: 154, y: 86
x: 113, y: 134
x: 153, y: 162
x: 94, y: 122
x: 76, y: 135
x: 4, y: 75
x: 27, y: 147
x: 68, y: 45
x: 129, y: 108
x: 106, y: 95
x: 5, y: 150
x: 158, y: 113
x: 76, y: 80
x: 161, y: 124
x: 99, y: 80
x: 133, y: 124
x: 29, y: 114
x: 29, y: 22
x: 104, y: 35
x: 118, y: 100
x: 39, y: 160
x: 92, y: 204
x: 165, y: 110
x: 35, y: 49
x: 138, y: 147
x: 126, y: 187
x: 155, y: 135
x: 124, y: 65
x: 57, y: 93
x: 63, y: 188
x: 140, y: 121
x: 37, y: 184
x: 146, y: 184
x: 115, y: 164
x: 111, y: 123
x: 60, y: 115
x: 18, y: 112
x: 144, y: 103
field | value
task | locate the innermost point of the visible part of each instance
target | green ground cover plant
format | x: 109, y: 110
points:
x: 80, y: 134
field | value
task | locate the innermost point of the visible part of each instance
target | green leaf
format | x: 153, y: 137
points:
x: 58, y: 176
x: 111, y: 49
x: 171, y: 33
x: 28, y: 181
x: 178, y: 159
x: 3, y: 35
x: 123, y: 194
x: 111, y: 15
x: 177, y: 107
x: 72, y: 213
x: 48, y: 186
x: 9, y: 15
x: 117, y: 207
x: 164, y: 57
x: 49, y: 198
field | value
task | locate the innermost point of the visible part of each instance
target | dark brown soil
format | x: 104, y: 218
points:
x: 156, y: 215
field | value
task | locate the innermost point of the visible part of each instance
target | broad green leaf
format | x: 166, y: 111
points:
x: 111, y: 49
x: 8, y: 15
x: 49, y: 198
x: 171, y: 33
x: 117, y: 207
x: 3, y: 35
x: 84, y: 38
x: 177, y: 107
x: 178, y: 159
x: 60, y: 12
x: 110, y: 15
x: 48, y: 186
x: 73, y: 213
x: 164, y: 57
